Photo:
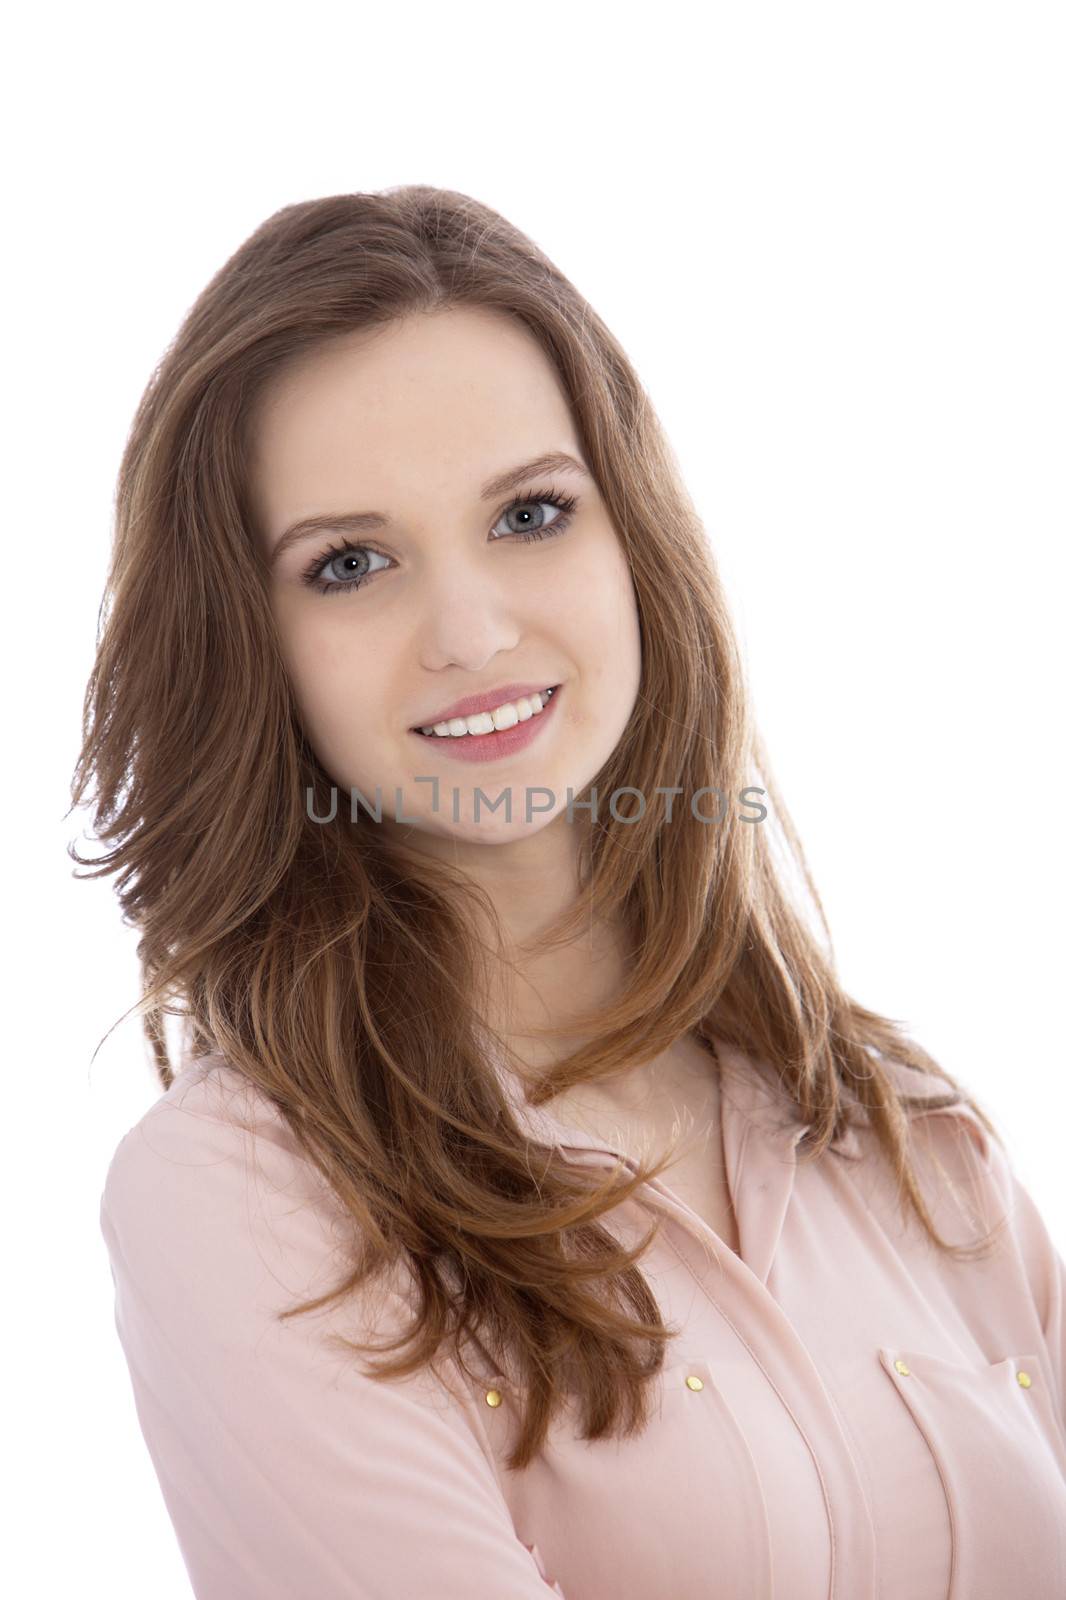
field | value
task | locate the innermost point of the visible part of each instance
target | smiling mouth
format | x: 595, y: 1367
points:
x: 475, y: 725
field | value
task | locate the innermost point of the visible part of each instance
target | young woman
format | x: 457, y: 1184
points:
x: 529, y: 1209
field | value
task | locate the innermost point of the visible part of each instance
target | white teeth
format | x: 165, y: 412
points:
x: 505, y: 716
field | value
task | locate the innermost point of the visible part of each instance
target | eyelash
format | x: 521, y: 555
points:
x: 564, y: 503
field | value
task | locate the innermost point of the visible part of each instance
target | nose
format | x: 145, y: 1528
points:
x: 467, y: 616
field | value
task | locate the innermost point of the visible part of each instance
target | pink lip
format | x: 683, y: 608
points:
x: 491, y: 746
x: 487, y: 700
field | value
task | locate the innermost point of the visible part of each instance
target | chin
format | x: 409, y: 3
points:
x: 488, y: 830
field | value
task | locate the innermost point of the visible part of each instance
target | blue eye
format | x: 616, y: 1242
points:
x: 350, y: 552
x: 564, y: 504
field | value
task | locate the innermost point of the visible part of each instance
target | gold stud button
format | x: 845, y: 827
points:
x: 901, y: 1366
x: 694, y: 1383
x: 494, y: 1398
x: 1025, y: 1380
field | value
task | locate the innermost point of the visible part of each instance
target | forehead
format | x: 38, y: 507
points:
x: 436, y: 400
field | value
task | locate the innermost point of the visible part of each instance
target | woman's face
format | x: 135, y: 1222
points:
x: 434, y: 595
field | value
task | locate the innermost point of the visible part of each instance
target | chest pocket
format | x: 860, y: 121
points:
x: 1001, y: 1455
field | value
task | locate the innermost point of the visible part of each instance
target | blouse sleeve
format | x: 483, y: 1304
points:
x: 1045, y: 1273
x: 286, y: 1471
x: 1040, y: 1262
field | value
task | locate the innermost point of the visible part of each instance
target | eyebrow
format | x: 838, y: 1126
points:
x: 365, y: 521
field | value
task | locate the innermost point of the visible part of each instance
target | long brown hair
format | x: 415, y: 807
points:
x: 334, y: 967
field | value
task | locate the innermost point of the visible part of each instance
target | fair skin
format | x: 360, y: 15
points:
x: 411, y: 421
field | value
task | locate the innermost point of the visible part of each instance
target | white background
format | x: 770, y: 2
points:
x: 831, y: 238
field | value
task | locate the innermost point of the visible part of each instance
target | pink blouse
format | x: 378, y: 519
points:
x: 846, y: 1412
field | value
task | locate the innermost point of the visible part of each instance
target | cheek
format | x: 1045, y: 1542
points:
x: 598, y: 611
x: 605, y: 613
x: 337, y: 681
x: 593, y: 595
x: 319, y: 663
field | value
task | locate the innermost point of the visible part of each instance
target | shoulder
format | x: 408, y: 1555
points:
x: 960, y: 1161
x: 940, y: 1108
x: 935, y: 1109
x: 210, y: 1113
x: 210, y: 1117
x: 211, y: 1189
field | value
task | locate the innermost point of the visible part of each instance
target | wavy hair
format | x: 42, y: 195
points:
x: 335, y: 967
